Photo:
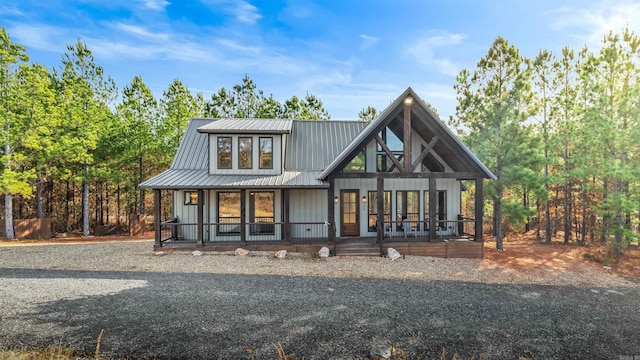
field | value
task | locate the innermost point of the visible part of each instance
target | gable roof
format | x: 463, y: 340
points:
x: 449, y: 146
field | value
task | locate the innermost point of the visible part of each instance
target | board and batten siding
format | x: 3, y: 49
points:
x: 187, y: 214
x: 452, y: 186
x: 308, y: 206
x: 277, y: 149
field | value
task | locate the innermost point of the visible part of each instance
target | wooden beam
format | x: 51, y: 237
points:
x: 243, y: 216
x: 200, y: 217
x: 432, y: 209
x: 380, y: 210
x: 407, y: 138
x: 411, y: 175
x: 331, y: 231
x: 389, y: 153
x: 157, y: 203
x: 285, y: 208
x: 430, y: 146
x: 479, y: 203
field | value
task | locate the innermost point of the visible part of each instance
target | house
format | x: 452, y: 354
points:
x: 353, y: 186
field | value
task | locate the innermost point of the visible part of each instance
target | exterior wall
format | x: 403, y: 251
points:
x: 452, y: 186
x: 189, y: 214
x: 277, y: 149
x: 308, y: 206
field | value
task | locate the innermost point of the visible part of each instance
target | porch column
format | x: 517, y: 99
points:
x: 157, y: 203
x: 243, y: 216
x: 407, y: 135
x: 380, y: 211
x: 432, y: 209
x: 285, y: 210
x: 479, y: 209
x: 200, y: 217
x: 331, y: 228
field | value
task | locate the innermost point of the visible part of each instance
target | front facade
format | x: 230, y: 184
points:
x: 272, y: 183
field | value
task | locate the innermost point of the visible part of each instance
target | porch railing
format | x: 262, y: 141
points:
x: 462, y: 227
x: 228, y: 231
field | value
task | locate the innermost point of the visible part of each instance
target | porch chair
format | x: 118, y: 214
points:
x: 407, y: 227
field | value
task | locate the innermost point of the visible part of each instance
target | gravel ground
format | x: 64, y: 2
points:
x: 219, y: 306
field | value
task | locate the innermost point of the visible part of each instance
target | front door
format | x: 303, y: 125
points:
x: 349, y: 225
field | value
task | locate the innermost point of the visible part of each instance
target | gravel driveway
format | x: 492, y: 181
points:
x: 224, y: 307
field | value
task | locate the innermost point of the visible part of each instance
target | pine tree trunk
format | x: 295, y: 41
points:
x: 118, y: 203
x: 85, y: 203
x: 39, y: 199
x: 605, y: 217
x: 583, y: 234
x: 8, y: 216
x: 141, y: 190
x: 67, y: 213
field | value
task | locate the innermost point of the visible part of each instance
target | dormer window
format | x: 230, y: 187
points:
x: 266, y: 153
x: 245, y: 150
x: 224, y: 152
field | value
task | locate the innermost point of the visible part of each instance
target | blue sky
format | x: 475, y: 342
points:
x: 351, y: 54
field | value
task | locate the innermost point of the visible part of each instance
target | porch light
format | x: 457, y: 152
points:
x: 408, y: 100
x: 335, y: 199
x: 364, y: 199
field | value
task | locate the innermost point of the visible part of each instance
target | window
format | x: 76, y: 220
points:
x: 407, y: 207
x: 383, y: 162
x: 266, y: 153
x: 229, y: 213
x: 224, y: 153
x: 373, y: 209
x: 245, y: 149
x: 191, y: 198
x: 261, y: 212
x: 441, y: 209
x: 357, y: 164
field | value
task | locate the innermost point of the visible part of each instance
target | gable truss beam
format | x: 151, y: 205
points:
x: 389, y: 153
x: 430, y: 146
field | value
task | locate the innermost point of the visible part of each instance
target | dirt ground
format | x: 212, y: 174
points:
x: 522, y: 252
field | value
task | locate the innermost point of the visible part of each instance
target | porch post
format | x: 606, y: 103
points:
x: 331, y: 231
x: 200, y: 217
x: 432, y: 209
x: 157, y: 203
x: 243, y: 216
x: 380, y: 211
x: 479, y: 209
x: 407, y: 136
x: 285, y: 210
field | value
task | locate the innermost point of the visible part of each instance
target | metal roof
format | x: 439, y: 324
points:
x: 193, y: 152
x: 384, y: 117
x: 201, y: 179
x: 314, y: 144
x: 247, y: 126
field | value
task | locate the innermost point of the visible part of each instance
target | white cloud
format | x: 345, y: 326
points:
x: 588, y: 25
x: 424, y: 51
x: 10, y: 10
x: 243, y: 11
x: 139, y: 31
x: 155, y: 4
x: 368, y: 41
x: 38, y: 36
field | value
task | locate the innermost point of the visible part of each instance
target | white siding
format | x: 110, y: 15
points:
x: 308, y: 206
x: 277, y: 149
x: 187, y: 214
x: 452, y: 186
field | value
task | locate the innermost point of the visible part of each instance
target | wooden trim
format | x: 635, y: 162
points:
x: 380, y: 214
x: 243, y: 216
x: 407, y: 138
x: 201, y: 217
x: 285, y: 211
x: 157, y: 203
x: 479, y: 204
x: 432, y: 209
x: 411, y: 175
x: 389, y: 153
x: 331, y: 213
x: 430, y: 146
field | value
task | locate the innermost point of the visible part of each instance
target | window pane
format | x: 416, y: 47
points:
x: 245, y: 148
x: 224, y: 153
x: 357, y: 164
x: 262, y: 211
x: 190, y: 198
x: 266, y: 153
x: 229, y: 212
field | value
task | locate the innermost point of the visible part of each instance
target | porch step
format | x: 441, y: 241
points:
x: 357, y: 249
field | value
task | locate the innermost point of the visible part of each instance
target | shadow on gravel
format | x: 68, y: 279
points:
x: 178, y: 315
